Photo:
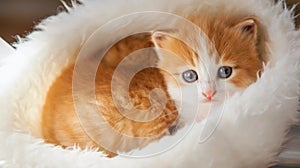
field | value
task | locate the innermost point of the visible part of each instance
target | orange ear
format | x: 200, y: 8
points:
x: 248, y: 27
x: 159, y: 37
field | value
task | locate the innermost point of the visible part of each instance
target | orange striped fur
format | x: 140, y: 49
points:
x: 238, y: 46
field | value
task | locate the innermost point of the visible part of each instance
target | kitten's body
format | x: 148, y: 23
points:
x: 62, y: 127
x: 236, y: 44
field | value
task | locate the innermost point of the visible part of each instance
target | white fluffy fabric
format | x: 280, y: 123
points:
x: 250, y: 133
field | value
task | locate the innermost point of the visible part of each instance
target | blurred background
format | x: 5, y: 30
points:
x: 18, y: 17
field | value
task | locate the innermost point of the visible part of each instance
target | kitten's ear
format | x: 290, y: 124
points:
x: 248, y: 27
x: 163, y: 40
x: 157, y: 38
x: 160, y: 37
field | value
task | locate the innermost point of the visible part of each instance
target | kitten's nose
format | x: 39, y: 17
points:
x: 209, y: 94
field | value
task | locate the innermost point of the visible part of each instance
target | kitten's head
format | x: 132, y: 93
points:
x: 230, y: 65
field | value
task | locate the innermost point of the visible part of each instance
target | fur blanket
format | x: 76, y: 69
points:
x: 250, y: 133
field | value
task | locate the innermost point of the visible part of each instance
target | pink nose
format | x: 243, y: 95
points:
x: 209, y: 94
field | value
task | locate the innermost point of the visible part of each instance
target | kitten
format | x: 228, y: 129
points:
x: 235, y: 63
x: 61, y: 126
x: 238, y: 45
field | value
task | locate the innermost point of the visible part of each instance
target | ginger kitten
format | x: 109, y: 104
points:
x: 235, y: 63
x: 239, y: 59
x: 61, y: 126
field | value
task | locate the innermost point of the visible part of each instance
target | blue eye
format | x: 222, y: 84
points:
x: 190, y: 76
x: 224, y: 72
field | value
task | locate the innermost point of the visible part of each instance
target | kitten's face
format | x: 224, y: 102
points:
x: 233, y: 66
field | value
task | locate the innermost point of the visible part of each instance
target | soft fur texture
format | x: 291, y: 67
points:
x: 60, y: 123
x: 234, y: 44
x: 234, y: 37
x: 253, y: 125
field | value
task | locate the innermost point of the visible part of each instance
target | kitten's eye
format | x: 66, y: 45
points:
x: 190, y: 76
x: 224, y: 72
